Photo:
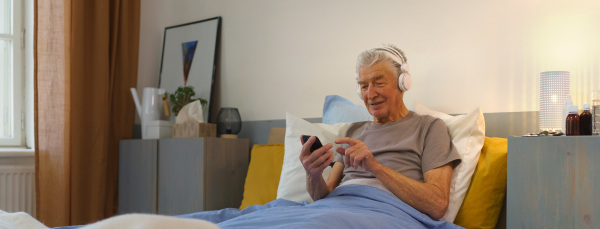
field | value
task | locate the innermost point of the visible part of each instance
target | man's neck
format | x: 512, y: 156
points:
x: 402, y: 113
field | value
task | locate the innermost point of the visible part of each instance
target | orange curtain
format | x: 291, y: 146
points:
x: 86, y: 60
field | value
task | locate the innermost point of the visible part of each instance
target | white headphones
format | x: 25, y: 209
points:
x: 404, y: 79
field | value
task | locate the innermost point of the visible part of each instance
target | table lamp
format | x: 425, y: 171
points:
x: 554, y: 90
x: 229, y: 122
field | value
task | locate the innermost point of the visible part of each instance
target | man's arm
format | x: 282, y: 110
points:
x: 314, y: 164
x: 318, y: 188
x: 431, y: 197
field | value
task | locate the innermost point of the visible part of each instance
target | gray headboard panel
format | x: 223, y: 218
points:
x: 496, y: 125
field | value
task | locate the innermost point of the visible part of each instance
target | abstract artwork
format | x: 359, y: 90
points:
x: 189, y: 59
x: 188, y: 49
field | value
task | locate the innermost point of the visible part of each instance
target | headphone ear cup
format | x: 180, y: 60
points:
x: 404, y: 68
x: 404, y: 81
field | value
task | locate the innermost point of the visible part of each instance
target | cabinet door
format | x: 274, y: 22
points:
x: 137, y: 176
x: 181, y: 175
x: 553, y: 182
x: 226, y: 169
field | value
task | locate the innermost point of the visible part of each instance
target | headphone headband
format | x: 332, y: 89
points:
x: 395, y: 54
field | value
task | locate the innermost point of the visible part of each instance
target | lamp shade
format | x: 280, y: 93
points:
x: 229, y: 121
x: 554, y: 91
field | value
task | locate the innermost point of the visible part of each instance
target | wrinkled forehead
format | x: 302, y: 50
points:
x: 381, y: 70
x: 389, y: 66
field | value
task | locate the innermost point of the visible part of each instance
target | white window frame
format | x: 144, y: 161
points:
x: 22, y: 76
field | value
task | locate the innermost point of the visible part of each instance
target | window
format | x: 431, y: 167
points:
x: 12, y: 73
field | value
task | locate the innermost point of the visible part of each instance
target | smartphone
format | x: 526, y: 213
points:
x: 316, y: 145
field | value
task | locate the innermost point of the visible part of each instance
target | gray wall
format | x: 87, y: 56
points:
x: 491, y: 52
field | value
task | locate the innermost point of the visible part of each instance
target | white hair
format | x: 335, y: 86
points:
x: 373, y: 56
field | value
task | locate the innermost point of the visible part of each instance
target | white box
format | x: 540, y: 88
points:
x: 158, y: 129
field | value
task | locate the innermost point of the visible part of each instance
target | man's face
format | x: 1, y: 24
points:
x: 379, y: 91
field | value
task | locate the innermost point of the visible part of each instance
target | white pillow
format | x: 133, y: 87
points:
x: 467, y: 133
x: 292, y: 183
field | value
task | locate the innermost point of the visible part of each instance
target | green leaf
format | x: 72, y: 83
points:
x: 182, y: 96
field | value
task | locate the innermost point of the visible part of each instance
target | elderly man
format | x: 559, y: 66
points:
x: 400, y: 152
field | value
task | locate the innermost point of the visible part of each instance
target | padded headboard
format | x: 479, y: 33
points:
x: 276, y: 136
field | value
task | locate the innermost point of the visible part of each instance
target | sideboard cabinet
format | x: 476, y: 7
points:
x: 173, y: 176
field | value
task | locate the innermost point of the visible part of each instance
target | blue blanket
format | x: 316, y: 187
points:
x: 351, y: 206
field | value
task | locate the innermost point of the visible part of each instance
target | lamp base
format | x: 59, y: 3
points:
x: 229, y: 135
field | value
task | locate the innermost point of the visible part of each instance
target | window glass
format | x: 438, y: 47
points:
x: 6, y: 92
x: 5, y: 16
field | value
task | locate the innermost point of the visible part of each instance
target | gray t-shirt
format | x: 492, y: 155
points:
x: 411, y: 146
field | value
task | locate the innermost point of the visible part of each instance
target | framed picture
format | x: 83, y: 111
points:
x: 189, y: 59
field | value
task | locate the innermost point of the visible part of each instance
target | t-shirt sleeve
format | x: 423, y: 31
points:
x: 438, y: 147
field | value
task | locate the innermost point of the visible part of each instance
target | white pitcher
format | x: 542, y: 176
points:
x: 151, y: 106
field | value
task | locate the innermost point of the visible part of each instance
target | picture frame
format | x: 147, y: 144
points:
x: 189, y: 58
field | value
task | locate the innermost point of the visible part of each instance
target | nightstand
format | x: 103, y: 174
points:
x: 553, y: 182
x: 173, y: 176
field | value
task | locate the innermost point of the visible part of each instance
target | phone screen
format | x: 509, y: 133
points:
x: 316, y: 145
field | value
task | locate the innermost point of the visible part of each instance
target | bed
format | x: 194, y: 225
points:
x: 275, y: 194
x: 275, y: 187
x: 479, y: 187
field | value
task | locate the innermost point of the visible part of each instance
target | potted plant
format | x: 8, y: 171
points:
x: 182, y: 96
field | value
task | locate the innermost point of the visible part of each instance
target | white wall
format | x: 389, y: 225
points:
x: 279, y: 56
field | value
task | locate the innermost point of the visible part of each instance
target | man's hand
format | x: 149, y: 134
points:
x: 358, y: 155
x: 315, y: 163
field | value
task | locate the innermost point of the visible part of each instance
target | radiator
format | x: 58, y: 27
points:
x: 17, y: 189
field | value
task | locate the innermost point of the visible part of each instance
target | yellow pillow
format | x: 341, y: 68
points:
x: 485, y: 196
x: 263, y: 174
